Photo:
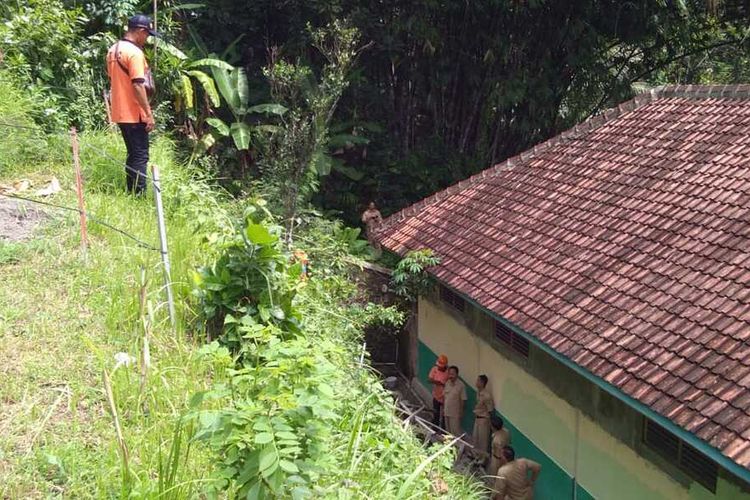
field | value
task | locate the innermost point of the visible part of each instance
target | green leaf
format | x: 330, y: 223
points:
x: 300, y: 493
x: 326, y: 390
x: 259, y: 234
x: 207, y: 141
x: 290, y: 436
x: 239, y: 83
x: 170, y: 49
x: 268, y: 108
x: 241, y: 135
x: 209, y: 87
x: 321, y: 163
x: 270, y: 129
x: 278, y: 313
x: 344, y: 140
x: 187, y: 91
x: 211, y: 63
x: 223, y: 80
x: 187, y: 6
x: 288, y: 467
x: 350, y: 172
x: 262, y: 425
x: 263, y: 438
x: 218, y: 125
x: 265, y: 315
x: 269, y: 461
x: 197, y: 399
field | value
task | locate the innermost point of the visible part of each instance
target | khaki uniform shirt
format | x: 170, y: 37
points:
x: 513, y: 481
x: 500, y: 439
x: 485, y: 404
x: 455, y: 397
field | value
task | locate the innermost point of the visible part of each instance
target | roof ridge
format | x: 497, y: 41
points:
x: 736, y: 91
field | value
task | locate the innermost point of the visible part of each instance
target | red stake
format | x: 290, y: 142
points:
x: 79, y: 188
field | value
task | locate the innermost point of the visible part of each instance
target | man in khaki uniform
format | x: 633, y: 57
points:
x: 516, y: 477
x: 500, y: 439
x: 482, y: 412
x: 454, y: 394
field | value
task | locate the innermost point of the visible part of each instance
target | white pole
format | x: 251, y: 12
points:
x: 575, y: 454
x: 163, y: 242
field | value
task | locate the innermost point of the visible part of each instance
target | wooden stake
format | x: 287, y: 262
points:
x: 156, y: 42
x: 108, y: 107
x: 79, y: 189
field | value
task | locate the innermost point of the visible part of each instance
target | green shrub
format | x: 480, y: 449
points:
x: 46, y: 53
x: 21, y: 141
x: 290, y: 414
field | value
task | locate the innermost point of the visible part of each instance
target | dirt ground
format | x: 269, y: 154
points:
x: 18, y: 219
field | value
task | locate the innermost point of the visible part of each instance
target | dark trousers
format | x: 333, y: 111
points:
x: 136, y: 164
x: 437, y: 414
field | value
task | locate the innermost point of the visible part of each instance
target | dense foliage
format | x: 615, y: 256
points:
x: 447, y: 88
x: 291, y: 413
x: 442, y: 90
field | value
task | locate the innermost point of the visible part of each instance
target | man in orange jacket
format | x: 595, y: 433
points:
x: 438, y: 376
x: 131, y: 83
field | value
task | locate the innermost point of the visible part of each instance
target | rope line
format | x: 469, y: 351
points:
x: 140, y: 243
x: 25, y: 127
x: 102, y: 153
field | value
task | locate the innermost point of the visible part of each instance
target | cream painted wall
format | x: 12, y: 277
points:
x: 606, y: 467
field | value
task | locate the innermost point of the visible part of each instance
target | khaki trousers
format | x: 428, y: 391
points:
x: 453, y: 426
x: 494, y: 466
x: 481, y: 434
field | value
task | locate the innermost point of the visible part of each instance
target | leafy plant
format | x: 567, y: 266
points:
x: 45, y: 52
x: 410, y: 278
x: 289, y: 415
x: 248, y: 288
x: 295, y: 159
x: 110, y: 13
x: 232, y: 83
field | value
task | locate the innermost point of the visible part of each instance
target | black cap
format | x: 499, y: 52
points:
x: 141, y: 21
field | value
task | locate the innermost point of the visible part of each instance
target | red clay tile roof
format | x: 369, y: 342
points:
x: 624, y: 245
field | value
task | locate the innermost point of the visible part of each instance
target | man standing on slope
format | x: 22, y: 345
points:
x: 132, y: 84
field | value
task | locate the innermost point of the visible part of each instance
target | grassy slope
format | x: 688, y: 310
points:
x: 62, y: 319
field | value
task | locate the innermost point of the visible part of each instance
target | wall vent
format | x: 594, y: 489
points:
x: 452, y: 299
x: 691, y: 461
x: 512, y: 339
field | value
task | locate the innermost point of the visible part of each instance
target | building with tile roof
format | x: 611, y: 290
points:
x: 601, y: 280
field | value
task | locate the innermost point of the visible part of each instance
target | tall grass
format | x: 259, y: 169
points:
x: 21, y: 141
x: 63, y: 318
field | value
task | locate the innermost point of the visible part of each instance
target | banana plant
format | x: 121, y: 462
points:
x: 233, y: 86
x: 189, y: 72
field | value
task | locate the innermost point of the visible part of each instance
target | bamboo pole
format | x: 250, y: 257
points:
x: 108, y: 107
x: 156, y: 43
x: 79, y: 189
